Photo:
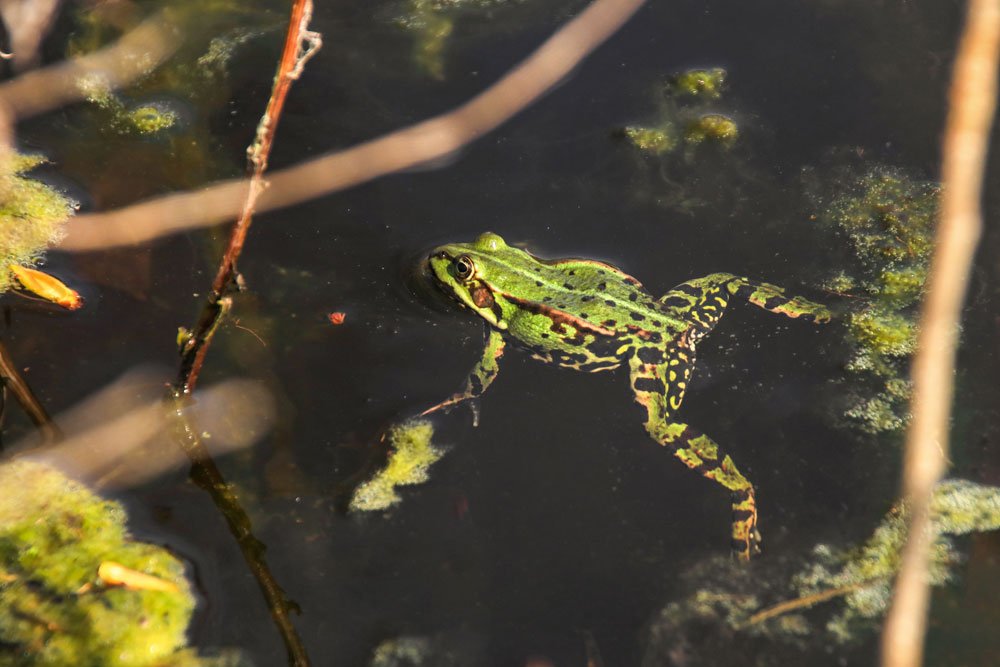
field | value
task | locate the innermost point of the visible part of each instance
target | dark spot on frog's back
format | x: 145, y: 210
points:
x: 650, y: 385
x: 609, y: 302
x: 634, y: 296
x: 650, y: 355
x: 638, y: 317
x: 776, y: 301
x: 675, y: 302
x: 568, y: 286
x: 587, y: 298
x: 602, y: 286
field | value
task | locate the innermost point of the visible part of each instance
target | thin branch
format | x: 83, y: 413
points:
x: 300, y: 44
x: 803, y: 602
x: 18, y: 386
x: 972, y: 100
x: 136, y: 54
x: 424, y: 142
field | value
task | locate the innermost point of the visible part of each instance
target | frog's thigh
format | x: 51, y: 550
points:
x: 655, y: 391
x: 481, y: 375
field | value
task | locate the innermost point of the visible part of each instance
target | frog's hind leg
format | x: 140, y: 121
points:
x: 703, y: 301
x: 659, y: 380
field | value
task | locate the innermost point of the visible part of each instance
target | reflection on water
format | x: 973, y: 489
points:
x: 555, y: 532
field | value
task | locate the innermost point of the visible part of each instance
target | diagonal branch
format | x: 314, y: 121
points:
x: 424, y: 142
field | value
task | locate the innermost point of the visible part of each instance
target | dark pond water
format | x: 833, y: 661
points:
x: 557, y: 519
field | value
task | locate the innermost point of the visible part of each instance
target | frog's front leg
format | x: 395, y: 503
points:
x: 480, y: 377
x: 659, y: 380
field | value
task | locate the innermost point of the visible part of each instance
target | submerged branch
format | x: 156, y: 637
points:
x: 300, y: 44
x: 803, y: 602
x: 15, y: 382
x: 421, y: 143
x: 971, y: 100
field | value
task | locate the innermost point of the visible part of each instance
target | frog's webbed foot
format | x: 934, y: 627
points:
x: 480, y: 378
x: 457, y: 399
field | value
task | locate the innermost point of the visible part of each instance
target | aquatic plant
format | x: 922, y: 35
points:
x: 433, y: 22
x: 32, y: 215
x: 854, y: 584
x: 887, y: 220
x: 411, y: 455
x: 55, y: 607
x: 684, y: 101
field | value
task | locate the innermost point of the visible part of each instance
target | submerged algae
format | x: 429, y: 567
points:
x: 854, y: 585
x: 54, y: 608
x: 412, y: 454
x: 887, y: 220
x: 32, y: 215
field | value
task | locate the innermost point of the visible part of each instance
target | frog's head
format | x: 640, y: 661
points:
x: 462, y: 271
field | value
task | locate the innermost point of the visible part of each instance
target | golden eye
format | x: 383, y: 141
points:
x: 464, y: 268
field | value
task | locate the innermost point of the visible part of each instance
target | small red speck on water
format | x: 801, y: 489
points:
x: 337, y: 318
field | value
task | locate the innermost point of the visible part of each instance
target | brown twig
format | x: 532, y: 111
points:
x: 207, y: 475
x: 18, y: 386
x: 803, y: 602
x: 971, y: 100
x: 300, y: 44
x: 420, y: 143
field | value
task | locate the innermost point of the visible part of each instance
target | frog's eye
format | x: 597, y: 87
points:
x: 464, y: 268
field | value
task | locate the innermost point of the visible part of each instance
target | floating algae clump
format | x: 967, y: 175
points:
x: 31, y: 215
x: 866, y: 575
x: 850, y: 589
x: 888, y: 221
x: 54, y: 609
x: 650, y: 139
x: 712, y: 127
x: 411, y: 455
x: 705, y: 83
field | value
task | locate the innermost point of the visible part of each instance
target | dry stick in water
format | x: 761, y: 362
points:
x: 15, y: 382
x: 300, y: 44
x: 420, y: 143
x: 971, y: 101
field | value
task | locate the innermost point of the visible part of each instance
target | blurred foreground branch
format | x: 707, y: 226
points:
x: 972, y: 100
x: 417, y: 144
x: 136, y: 54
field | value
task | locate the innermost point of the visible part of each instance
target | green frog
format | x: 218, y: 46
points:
x: 590, y: 316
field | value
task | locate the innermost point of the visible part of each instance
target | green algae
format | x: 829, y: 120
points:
x: 686, y: 102
x: 32, y: 215
x: 54, y: 610
x: 703, y: 83
x: 432, y: 23
x: 846, y: 590
x: 652, y: 140
x: 411, y: 455
x: 886, y: 219
x: 712, y: 127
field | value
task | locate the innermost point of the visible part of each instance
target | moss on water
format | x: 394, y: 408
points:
x: 848, y: 590
x: 887, y: 220
x: 54, y: 610
x: 410, y: 457
x: 32, y: 215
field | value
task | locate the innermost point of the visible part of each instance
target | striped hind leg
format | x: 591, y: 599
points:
x: 703, y: 301
x: 659, y: 385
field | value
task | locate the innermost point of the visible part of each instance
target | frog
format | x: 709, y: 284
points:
x: 587, y: 315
